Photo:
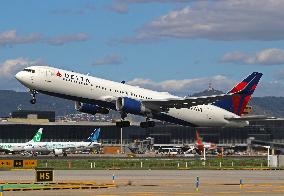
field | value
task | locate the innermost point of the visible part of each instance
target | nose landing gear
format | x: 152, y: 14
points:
x: 33, y: 94
x: 123, y: 123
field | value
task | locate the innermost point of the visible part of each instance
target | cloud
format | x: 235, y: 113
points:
x: 271, y: 88
x: 156, y: 1
x: 121, y: 6
x: 11, y: 37
x: 10, y: 67
x: 112, y: 59
x: 186, y: 86
x: 270, y: 56
x: 63, y: 39
x: 217, y: 20
x: 160, y: 1
x: 219, y: 82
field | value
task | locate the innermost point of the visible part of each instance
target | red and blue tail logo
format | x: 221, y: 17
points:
x: 237, y: 103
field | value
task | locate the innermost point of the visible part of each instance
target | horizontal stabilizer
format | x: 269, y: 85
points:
x: 251, y: 118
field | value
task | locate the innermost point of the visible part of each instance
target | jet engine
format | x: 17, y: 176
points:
x: 57, y: 152
x: 131, y: 106
x: 90, y: 108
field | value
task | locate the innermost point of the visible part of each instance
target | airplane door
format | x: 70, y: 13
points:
x: 209, y: 114
x: 48, y: 75
x: 32, y: 79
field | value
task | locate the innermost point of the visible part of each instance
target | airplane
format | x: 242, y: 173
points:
x: 61, y: 148
x: 19, y: 147
x: 200, y: 145
x: 94, y: 95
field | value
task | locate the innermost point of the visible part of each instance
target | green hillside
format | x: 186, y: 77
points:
x: 11, y: 100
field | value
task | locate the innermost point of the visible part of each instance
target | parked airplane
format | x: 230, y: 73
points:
x: 200, y: 145
x: 94, y: 95
x: 19, y: 147
x: 61, y: 148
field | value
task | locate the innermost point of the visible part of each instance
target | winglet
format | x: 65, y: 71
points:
x: 198, y: 139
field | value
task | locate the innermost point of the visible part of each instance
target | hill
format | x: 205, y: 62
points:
x: 11, y: 100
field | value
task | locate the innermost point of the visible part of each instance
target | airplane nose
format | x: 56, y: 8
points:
x: 18, y: 76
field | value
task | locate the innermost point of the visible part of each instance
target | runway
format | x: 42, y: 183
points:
x: 161, y: 182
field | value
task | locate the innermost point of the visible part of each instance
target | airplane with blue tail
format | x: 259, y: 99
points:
x: 62, y: 148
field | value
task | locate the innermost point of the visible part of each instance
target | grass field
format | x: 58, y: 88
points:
x: 134, y: 163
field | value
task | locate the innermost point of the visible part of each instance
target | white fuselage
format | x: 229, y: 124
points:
x: 13, y: 147
x: 79, y: 87
x: 65, y: 146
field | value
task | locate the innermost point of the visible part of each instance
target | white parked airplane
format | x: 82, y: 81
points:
x: 94, y: 95
x: 19, y: 147
x: 61, y: 148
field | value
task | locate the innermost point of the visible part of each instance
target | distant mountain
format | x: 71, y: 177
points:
x: 208, y: 92
x: 11, y: 100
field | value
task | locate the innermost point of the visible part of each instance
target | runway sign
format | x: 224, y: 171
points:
x: 30, y: 163
x: 6, y: 163
x: 18, y: 163
x: 44, y: 175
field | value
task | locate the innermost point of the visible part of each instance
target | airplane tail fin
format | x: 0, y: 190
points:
x: 198, y: 139
x: 37, y: 136
x: 94, y: 135
x: 244, y: 90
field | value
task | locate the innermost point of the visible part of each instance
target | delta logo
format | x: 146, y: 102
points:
x: 59, y: 74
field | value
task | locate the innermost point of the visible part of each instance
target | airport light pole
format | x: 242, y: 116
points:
x: 268, y: 161
x: 121, y: 140
x: 204, y: 154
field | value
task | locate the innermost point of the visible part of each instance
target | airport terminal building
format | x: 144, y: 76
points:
x: 269, y: 130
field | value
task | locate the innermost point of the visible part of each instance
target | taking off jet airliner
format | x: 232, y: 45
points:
x: 94, y: 95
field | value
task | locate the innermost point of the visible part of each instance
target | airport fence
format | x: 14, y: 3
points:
x: 128, y: 164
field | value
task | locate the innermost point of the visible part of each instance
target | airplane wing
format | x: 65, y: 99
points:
x: 164, y: 105
x: 250, y: 118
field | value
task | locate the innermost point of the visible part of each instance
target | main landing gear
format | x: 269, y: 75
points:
x: 123, y: 123
x: 33, y: 94
x: 147, y: 124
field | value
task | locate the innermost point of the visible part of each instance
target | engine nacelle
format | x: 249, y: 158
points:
x: 90, y: 108
x: 58, y: 151
x: 131, y: 106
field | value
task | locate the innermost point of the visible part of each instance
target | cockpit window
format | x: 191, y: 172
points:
x: 30, y: 70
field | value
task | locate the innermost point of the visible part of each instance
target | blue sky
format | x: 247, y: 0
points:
x: 169, y: 45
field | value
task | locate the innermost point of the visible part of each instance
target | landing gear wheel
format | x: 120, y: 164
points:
x: 33, y: 101
x: 33, y: 94
x: 122, y: 124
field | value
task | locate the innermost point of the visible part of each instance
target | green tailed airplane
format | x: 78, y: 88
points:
x: 19, y: 147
